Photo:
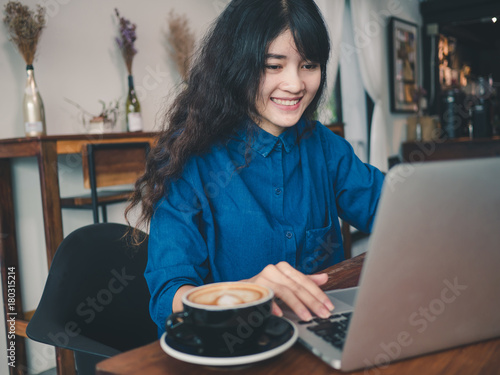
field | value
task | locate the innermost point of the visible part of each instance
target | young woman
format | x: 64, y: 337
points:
x: 243, y: 184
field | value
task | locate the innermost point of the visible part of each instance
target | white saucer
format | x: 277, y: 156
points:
x: 230, y: 361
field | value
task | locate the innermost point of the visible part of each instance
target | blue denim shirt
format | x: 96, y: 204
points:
x: 219, y: 222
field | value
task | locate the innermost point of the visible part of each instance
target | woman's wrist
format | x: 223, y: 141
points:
x: 177, y: 301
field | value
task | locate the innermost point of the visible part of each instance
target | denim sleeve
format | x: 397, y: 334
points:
x: 177, y: 251
x: 357, y: 185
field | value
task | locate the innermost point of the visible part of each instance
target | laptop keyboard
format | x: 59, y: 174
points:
x: 333, y: 330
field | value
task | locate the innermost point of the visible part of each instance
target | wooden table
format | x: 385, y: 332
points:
x: 46, y: 150
x: 482, y: 358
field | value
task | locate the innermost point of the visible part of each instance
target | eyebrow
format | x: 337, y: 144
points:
x: 274, y: 56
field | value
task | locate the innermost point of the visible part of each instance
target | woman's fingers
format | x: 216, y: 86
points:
x: 300, y: 305
x: 319, y: 279
x: 276, y: 310
x: 308, y: 287
x: 300, y: 292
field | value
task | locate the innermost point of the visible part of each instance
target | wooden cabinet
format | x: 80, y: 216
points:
x: 461, y: 148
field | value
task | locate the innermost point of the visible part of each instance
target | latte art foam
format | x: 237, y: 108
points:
x: 227, y: 295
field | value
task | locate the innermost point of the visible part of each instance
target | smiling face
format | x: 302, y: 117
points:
x: 287, y: 87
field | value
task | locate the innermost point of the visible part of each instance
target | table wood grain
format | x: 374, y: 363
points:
x: 481, y: 358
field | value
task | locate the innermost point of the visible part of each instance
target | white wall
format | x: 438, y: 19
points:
x: 78, y: 59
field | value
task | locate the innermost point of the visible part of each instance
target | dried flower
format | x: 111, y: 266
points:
x: 182, y: 41
x: 126, y: 41
x: 25, y: 27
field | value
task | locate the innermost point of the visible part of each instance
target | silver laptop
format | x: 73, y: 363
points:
x: 431, y: 277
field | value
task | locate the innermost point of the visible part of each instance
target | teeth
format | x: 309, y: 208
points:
x: 285, y: 102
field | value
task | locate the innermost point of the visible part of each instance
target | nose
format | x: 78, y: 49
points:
x: 292, y: 81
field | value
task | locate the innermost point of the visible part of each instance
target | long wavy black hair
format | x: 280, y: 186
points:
x: 223, y: 86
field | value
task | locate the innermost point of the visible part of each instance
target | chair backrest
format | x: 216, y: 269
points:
x: 108, y: 164
x: 112, y: 164
x: 96, y: 300
x: 338, y: 128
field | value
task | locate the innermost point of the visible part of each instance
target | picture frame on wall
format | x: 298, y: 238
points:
x: 403, y: 64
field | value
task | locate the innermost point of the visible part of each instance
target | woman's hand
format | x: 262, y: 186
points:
x: 300, y: 292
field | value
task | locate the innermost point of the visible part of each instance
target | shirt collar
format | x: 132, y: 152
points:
x: 264, y: 143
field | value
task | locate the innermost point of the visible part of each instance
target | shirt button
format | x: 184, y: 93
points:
x: 277, y: 191
x: 289, y: 234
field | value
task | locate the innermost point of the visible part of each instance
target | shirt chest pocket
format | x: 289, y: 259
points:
x: 321, y: 249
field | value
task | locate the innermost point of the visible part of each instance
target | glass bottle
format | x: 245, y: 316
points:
x: 33, y: 111
x: 133, y: 108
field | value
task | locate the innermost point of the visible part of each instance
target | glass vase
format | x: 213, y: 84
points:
x: 33, y: 111
x: 133, y: 108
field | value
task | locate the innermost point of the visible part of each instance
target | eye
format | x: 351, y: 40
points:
x: 272, y: 67
x: 310, y: 66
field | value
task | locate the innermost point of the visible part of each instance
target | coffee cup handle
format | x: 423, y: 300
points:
x: 179, y: 328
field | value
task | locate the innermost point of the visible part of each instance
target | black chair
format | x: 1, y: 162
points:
x: 345, y: 227
x: 95, y: 301
x: 104, y: 165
